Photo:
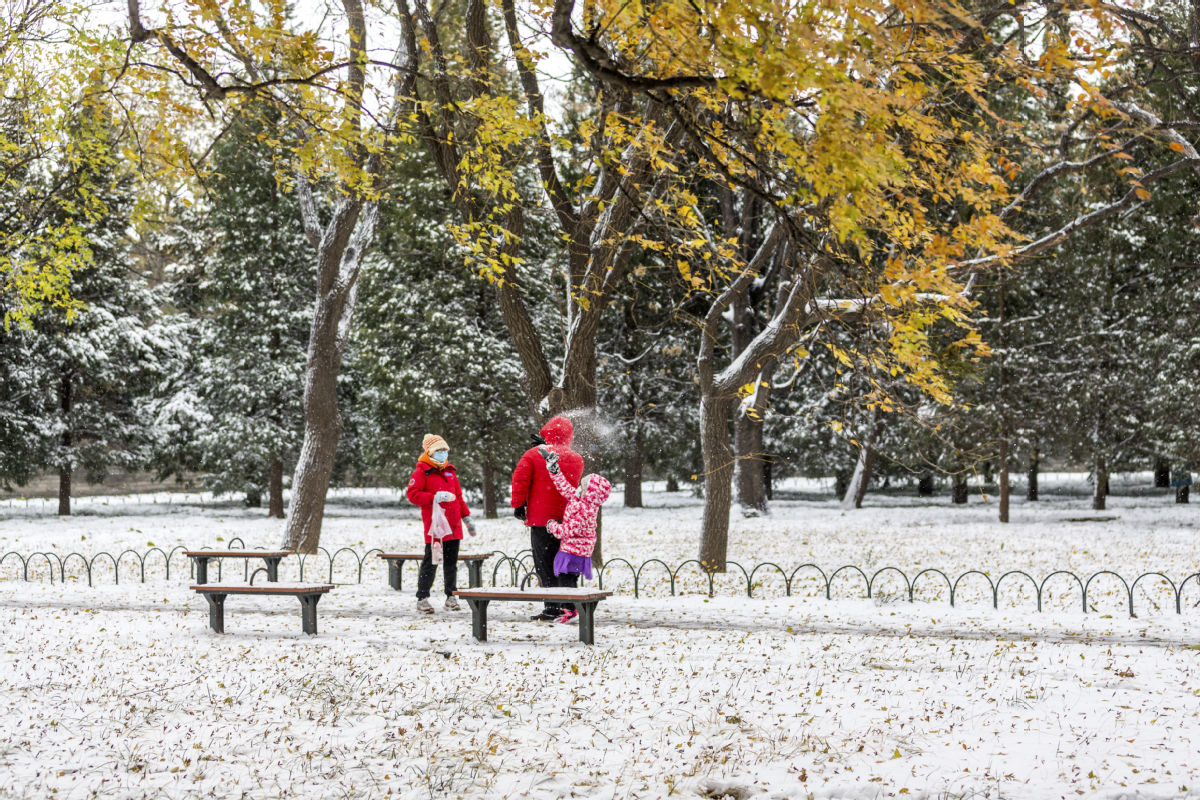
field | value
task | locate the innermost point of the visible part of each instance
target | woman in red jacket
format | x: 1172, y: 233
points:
x: 435, y: 482
x: 533, y: 489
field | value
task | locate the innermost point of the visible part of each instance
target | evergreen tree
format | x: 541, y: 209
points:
x: 76, y: 387
x: 433, y: 350
x: 236, y: 412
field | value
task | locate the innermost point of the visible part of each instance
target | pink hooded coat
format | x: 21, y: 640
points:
x: 577, y: 531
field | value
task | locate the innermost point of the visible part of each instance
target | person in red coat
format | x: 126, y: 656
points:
x: 533, y: 490
x: 435, y: 482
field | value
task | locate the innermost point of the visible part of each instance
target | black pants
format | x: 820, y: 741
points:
x: 545, y: 548
x: 568, y: 580
x: 449, y: 568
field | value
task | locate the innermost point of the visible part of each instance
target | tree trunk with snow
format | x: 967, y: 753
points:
x: 633, y: 468
x: 750, y: 449
x: 718, y: 390
x: 1100, y: 489
x: 1004, y: 487
x: 340, y: 248
x: 489, y: 488
x: 864, y: 466
x: 64, y: 469
x: 275, y: 490
x: 598, y: 548
x: 718, y: 481
x: 1031, y: 477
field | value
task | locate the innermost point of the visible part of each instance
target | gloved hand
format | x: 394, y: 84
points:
x: 519, y: 512
x: 551, y: 460
x: 443, y: 497
x: 470, y: 526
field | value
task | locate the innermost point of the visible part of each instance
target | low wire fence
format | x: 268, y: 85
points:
x: 654, y: 576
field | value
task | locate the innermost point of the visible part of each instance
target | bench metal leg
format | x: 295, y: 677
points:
x: 587, y: 616
x: 216, y: 611
x: 272, y: 569
x: 308, y: 612
x: 394, y: 568
x: 474, y: 574
x: 201, y: 569
x: 478, y: 617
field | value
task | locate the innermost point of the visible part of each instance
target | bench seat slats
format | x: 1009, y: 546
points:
x: 419, y: 556
x: 263, y: 588
x: 237, y: 553
x: 569, y: 595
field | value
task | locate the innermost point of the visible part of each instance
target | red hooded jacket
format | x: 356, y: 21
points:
x: 531, y: 484
x: 426, y: 481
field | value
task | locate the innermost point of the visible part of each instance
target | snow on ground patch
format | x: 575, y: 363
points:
x: 122, y: 691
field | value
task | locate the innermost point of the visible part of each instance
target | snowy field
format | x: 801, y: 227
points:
x: 122, y: 691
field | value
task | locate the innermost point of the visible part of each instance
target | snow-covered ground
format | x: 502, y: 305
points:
x: 122, y: 691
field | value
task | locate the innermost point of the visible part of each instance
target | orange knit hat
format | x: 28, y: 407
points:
x: 432, y: 443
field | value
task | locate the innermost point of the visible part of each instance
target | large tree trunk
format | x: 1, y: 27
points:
x: 1100, y: 490
x: 633, y: 469
x: 322, y: 427
x: 64, y: 469
x: 718, y: 481
x: 275, y: 490
x: 340, y: 253
x: 489, y: 489
x: 64, y: 490
x: 1031, y: 476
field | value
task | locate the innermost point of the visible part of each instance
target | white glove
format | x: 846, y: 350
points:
x: 443, y: 497
x: 470, y: 526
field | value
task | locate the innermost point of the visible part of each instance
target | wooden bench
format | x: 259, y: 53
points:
x: 474, y: 562
x: 585, y: 601
x: 308, y: 594
x: 270, y: 557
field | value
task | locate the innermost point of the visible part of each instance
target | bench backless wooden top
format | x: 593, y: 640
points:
x: 237, y: 553
x: 418, y: 556
x: 265, y: 588
x: 569, y: 595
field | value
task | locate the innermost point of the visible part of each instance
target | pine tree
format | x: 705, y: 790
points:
x: 251, y: 291
x: 433, y: 351
x: 76, y: 388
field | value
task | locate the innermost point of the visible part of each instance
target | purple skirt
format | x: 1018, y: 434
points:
x: 570, y: 564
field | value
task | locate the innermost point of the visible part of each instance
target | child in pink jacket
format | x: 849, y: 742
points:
x: 577, y: 530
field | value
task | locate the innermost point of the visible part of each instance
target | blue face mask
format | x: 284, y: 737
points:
x: 440, y: 456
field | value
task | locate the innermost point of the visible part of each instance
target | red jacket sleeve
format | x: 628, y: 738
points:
x: 463, y: 511
x: 521, y: 478
x: 417, y: 495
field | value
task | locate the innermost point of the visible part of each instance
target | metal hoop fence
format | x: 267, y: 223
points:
x: 346, y: 565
